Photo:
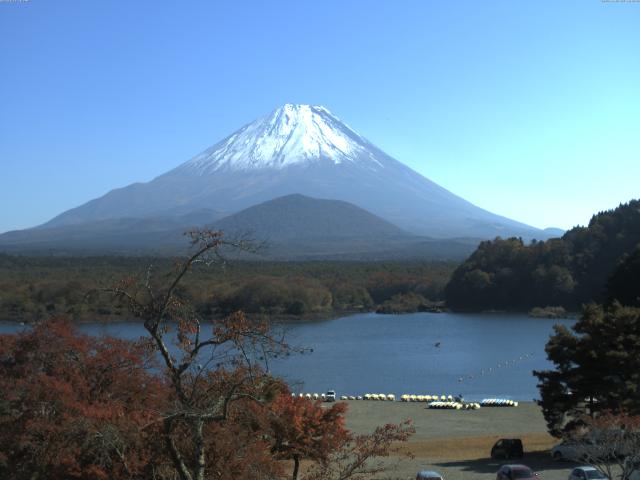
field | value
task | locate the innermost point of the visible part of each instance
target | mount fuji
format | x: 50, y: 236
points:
x: 296, y: 149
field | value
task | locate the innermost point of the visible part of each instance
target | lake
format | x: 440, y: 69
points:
x: 476, y: 355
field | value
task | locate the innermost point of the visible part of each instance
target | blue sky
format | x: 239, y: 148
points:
x: 528, y: 109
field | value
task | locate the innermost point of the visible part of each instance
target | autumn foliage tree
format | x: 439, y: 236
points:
x: 302, y: 429
x: 232, y: 389
x: 213, y: 368
x: 76, y: 407
x: 191, y: 400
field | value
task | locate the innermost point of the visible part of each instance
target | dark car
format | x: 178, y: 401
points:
x: 507, y: 448
x: 516, y: 472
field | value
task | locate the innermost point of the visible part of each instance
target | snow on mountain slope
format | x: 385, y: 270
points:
x: 300, y: 149
x: 291, y: 135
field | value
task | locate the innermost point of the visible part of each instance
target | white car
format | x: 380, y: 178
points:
x: 330, y: 396
x: 587, y: 473
x: 568, y: 450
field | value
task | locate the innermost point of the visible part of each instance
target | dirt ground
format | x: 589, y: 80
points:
x: 457, y: 443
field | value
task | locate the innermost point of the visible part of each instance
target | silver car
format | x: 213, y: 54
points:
x: 587, y: 473
x: 429, y: 475
x: 568, y: 450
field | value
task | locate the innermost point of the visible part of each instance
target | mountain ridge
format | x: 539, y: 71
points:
x: 293, y: 227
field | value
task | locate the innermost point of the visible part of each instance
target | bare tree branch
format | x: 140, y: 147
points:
x: 201, y: 395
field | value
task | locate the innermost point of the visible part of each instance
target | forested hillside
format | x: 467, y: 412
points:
x: 34, y: 288
x: 594, y: 263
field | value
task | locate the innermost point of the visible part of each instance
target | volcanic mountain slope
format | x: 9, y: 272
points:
x: 162, y: 234
x: 299, y: 218
x: 300, y: 149
x: 300, y: 227
x: 297, y: 149
x: 293, y: 227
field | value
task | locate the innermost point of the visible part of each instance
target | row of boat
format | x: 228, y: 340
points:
x: 388, y: 397
x: 434, y: 401
x: 454, y: 405
x: 427, y: 398
x: 498, y: 402
x: 311, y: 396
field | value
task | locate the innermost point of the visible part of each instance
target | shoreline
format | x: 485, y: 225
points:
x: 306, y: 318
x: 277, y: 318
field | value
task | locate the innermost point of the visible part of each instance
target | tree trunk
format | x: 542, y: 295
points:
x: 174, y: 453
x: 200, y: 455
x: 296, y: 466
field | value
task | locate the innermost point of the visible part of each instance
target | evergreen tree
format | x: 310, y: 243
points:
x: 597, y: 367
x: 624, y: 283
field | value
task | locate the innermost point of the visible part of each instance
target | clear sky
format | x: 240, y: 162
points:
x: 528, y: 109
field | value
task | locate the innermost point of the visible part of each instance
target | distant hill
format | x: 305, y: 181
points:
x: 290, y: 227
x: 128, y: 236
x: 568, y: 271
x: 300, y: 218
x: 303, y: 228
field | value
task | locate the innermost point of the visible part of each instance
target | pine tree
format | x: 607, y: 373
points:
x: 597, y: 367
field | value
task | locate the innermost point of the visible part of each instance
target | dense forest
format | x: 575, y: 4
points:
x: 35, y: 288
x: 598, y: 263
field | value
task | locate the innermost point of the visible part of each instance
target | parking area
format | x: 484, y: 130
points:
x: 457, y: 443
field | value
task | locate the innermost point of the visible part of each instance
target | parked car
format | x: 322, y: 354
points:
x: 569, y: 450
x: 330, y: 396
x: 429, y: 475
x: 587, y: 473
x: 507, y: 448
x: 516, y: 472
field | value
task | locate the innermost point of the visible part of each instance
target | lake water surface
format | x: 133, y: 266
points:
x: 476, y: 355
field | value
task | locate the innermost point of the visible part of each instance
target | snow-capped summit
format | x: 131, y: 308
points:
x: 298, y: 149
x: 291, y: 134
